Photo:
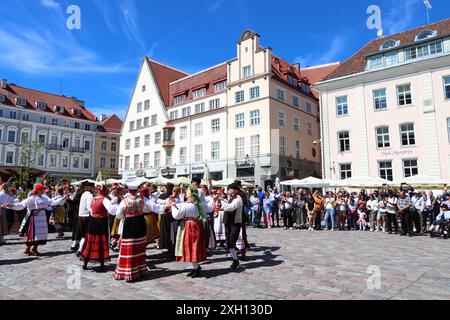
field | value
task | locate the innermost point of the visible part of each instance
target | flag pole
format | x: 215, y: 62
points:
x: 428, y: 15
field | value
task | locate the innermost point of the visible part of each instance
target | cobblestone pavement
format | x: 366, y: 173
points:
x: 282, y: 264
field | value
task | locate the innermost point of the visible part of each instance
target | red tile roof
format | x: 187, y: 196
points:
x: 52, y: 100
x: 282, y: 69
x: 110, y: 124
x: 357, y: 62
x: 205, y: 79
x: 165, y: 75
x: 318, y: 73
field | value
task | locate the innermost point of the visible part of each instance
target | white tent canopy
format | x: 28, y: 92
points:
x: 309, y: 182
x: 227, y: 182
x: 362, y: 182
x: 422, y: 181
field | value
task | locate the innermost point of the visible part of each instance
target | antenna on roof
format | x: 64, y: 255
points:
x: 61, y: 88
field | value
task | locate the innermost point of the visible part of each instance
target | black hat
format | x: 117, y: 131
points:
x: 239, y: 183
x: 234, y: 186
x: 196, y: 180
x: 444, y: 206
x: 89, y: 184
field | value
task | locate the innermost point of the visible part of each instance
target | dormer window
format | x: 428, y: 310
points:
x: 41, y: 105
x: 426, y: 34
x: 2, y: 98
x: 390, y: 44
x: 292, y: 81
x: 198, y: 93
x: 76, y: 112
x: 60, y: 109
x: 21, y: 102
x: 220, y: 86
x: 179, y: 99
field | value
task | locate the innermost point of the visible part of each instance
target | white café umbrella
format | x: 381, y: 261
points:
x: 309, y: 182
x: 159, y: 181
x: 77, y: 183
x: 227, y: 182
x: 182, y: 181
x: 294, y: 182
x: 362, y: 182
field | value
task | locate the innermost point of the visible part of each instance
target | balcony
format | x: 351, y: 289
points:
x: 168, y: 140
x: 77, y: 150
x: 54, y: 147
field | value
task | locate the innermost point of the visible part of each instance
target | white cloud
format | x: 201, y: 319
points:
x: 401, y: 16
x: 215, y: 6
x: 130, y: 22
x: 50, y: 3
x: 336, y: 46
x: 42, y: 52
x: 105, y: 9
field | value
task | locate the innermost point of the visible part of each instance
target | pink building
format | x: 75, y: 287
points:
x: 385, y: 111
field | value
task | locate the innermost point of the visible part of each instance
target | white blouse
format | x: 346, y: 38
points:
x: 38, y: 203
x: 185, y: 210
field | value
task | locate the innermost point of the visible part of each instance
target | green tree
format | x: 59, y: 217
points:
x: 28, y: 160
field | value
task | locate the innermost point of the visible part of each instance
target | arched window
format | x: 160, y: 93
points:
x: 390, y: 44
x: 426, y: 34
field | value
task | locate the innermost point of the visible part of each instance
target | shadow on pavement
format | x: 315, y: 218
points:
x: 16, y: 261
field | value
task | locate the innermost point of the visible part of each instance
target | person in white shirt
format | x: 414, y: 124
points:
x: 288, y: 208
x: 190, y: 243
x: 419, y: 206
x: 37, y: 203
x: 6, y: 196
x: 82, y: 220
x: 233, y: 211
x: 391, y: 209
x: 372, y: 210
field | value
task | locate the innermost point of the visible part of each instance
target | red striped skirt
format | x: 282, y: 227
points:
x: 96, y: 244
x: 194, y: 243
x: 132, y: 264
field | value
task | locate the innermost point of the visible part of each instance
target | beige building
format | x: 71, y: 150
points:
x: 107, y: 146
x: 253, y: 118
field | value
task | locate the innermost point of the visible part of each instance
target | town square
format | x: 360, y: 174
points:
x: 194, y: 159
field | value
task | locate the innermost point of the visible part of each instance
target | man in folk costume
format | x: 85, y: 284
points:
x: 75, y: 206
x: 165, y: 223
x: 190, y: 243
x: 37, y: 203
x: 233, y: 220
x: 6, y: 196
x: 132, y: 265
x: 83, y: 215
x: 96, y: 245
x: 208, y: 208
x: 243, y: 244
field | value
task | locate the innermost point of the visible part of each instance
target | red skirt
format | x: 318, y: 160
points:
x: 96, y: 244
x: 132, y: 264
x: 194, y: 243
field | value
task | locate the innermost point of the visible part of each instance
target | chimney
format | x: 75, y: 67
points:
x: 4, y: 84
x: 298, y: 66
x: 103, y: 117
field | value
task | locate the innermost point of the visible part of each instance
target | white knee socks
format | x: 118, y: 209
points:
x: 234, y: 254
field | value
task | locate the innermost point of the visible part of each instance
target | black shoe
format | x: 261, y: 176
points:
x: 235, y: 265
x: 75, y: 248
x: 84, y: 267
x: 195, y: 273
x: 410, y: 235
x: 102, y: 269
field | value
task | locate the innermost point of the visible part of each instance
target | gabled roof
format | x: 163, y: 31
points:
x: 204, y: 79
x: 357, y: 62
x: 163, y: 76
x: 110, y: 124
x: 282, y: 69
x: 52, y: 100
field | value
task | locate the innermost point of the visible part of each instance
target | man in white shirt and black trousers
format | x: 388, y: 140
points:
x: 82, y: 220
x: 232, y: 219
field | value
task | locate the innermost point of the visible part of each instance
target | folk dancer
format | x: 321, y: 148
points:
x: 190, y: 243
x: 82, y: 221
x: 132, y: 265
x: 96, y: 245
x: 233, y: 221
x: 37, y: 203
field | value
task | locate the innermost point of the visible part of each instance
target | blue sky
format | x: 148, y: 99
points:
x: 99, y: 63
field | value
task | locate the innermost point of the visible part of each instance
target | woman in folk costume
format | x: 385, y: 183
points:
x: 37, y: 203
x: 190, y: 244
x: 96, y: 244
x: 219, y: 227
x: 132, y: 265
x: 150, y: 218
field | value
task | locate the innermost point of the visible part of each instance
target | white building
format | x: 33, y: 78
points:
x: 253, y: 118
x: 63, y: 126
x: 386, y: 110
